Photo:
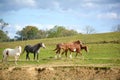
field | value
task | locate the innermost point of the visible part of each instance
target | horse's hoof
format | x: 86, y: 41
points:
x: 37, y: 60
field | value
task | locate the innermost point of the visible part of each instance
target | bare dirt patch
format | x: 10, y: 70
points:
x: 60, y: 73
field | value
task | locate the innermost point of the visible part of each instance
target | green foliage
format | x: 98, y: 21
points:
x: 116, y: 28
x: 3, y: 36
x: 2, y: 24
x: 60, y: 31
x: 41, y: 34
x: 29, y: 32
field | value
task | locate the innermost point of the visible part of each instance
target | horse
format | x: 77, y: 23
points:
x: 68, y: 46
x: 12, y: 52
x: 77, y: 49
x: 33, y: 49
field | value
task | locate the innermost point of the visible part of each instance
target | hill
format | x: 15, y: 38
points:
x: 104, y: 48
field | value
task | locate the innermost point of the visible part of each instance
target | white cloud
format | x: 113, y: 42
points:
x: 43, y: 26
x: 111, y: 15
x: 89, y: 5
x: 75, y: 5
x: 17, y: 27
x: 29, y: 3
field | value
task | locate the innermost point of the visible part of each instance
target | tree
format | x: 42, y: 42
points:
x: 116, y: 28
x: 89, y: 30
x: 29, y: 32
x: 3, y: 36
x: 41, y: 34
x: 3, y: 24
x: 60, y: 31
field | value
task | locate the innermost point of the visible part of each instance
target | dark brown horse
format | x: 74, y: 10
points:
x: 71, y: 46
x: 78, y: 49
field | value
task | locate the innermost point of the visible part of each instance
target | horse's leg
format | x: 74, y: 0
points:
x: 27, y: 56
x: 76, y: 54
x: 37, y: 56
x: 63, y: 52
x: 70, y: 55
x: 16, y: 58
x: 57, y: 53
x: 4, y: 60
x: 56, y: 56
x: 34, y: 56
x: 66, y: 53
x: 81, y: 55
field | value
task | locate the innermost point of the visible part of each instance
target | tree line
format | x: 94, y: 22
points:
x: 32, y: 32
x: 3, y: 34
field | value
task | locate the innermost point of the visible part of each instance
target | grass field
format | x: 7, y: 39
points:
x: 104, y: 49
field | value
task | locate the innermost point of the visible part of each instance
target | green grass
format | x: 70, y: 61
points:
x: 99, y: 53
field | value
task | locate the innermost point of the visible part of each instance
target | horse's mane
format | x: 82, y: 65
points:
x: 77, y: 42
x: 37, y: 44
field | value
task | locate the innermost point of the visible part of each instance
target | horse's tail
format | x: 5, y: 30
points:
x: 4, y: 52
x: 2, y: 58
x: 24, y: 49
x: 55, y: 49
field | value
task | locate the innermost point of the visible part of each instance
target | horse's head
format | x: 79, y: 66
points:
x: 78, y: 42
x: 43, y: 45
x: 19, y: 49
x: 85, y: 48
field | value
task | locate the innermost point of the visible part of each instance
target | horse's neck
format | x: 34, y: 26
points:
x: 36, y: 47
x: 83, y: 47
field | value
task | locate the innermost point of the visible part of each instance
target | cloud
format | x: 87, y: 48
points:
x: 78, y: 8
x: 9, y: 5
x: 110, y: 15
x: 17, y: 27
x: 13, y: 5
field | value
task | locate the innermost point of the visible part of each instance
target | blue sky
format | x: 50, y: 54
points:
x: 102, y: 15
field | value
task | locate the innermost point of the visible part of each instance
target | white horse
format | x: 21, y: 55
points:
x: 13, y: 53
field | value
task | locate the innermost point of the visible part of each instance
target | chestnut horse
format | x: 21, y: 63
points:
x: 77, y: 50
x: 71, y: 46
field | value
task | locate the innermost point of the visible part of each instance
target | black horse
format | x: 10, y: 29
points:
x: 33, y: 49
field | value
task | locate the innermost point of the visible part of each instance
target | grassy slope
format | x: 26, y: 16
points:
x: 99, y: 53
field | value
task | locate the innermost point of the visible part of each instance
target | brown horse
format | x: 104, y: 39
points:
x: 71, y: 46
x: 77, y: 49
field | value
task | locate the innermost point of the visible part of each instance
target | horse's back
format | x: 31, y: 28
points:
x: 9, y: 52
x: 27, y: 47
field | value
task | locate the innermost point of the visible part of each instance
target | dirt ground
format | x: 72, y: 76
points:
x: 59, y: 73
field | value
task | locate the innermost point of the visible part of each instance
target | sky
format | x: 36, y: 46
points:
x: 101, y: 15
